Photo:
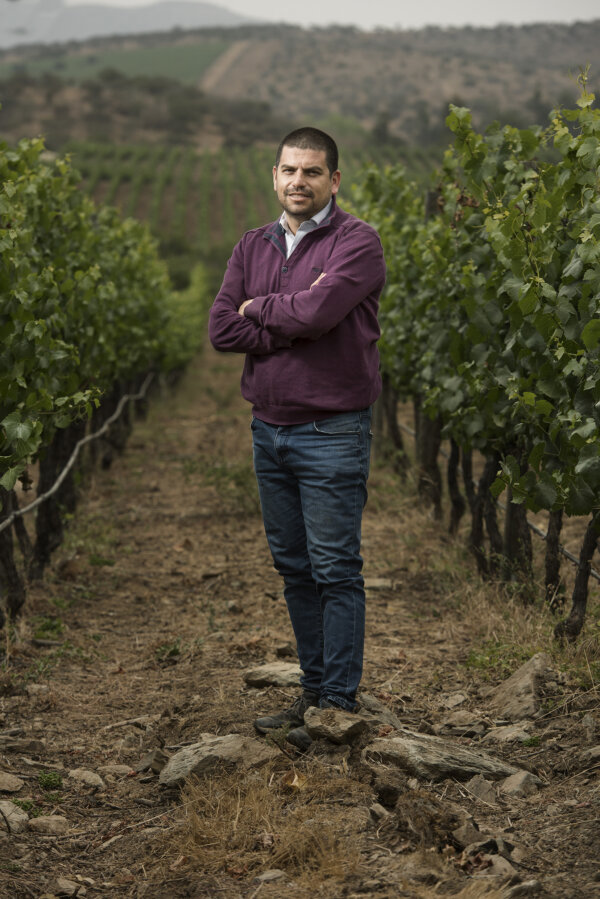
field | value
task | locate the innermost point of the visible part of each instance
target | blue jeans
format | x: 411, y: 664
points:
x: 312, y: 480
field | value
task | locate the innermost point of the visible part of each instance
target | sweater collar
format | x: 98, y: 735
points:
x: 275, y: 233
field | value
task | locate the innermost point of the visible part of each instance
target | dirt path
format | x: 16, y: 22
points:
x: 213, y: 76
x: 139, y: 638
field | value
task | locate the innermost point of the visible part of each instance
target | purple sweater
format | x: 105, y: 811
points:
x: 310, y: 352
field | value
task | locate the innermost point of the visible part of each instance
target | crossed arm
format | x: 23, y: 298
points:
x: 355, y: 269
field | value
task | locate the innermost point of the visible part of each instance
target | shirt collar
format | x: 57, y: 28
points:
x: 317, y: 218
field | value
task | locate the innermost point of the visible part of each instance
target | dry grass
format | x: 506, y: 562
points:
x: 512, y: 617
x: 242, y: 824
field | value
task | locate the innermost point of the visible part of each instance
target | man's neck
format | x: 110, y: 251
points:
x: 294, y: 223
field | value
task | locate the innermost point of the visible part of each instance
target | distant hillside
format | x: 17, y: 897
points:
x: 394, y: 84
x: 50, y: 21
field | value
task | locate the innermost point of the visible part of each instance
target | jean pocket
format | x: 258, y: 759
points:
x: 344, y: 423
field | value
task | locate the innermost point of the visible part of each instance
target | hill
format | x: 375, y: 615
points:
x: 397, y: 83
x: 51, y: 21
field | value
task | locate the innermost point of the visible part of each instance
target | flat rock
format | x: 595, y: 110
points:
x: 434, y: 758
x: 518, y: 697
x: 461, y: 723
x: 452, y: 700
x: 483, y: 789
x: 117, y: 770
x: 521, y: 784
x: 9, y: 783
x: 49, y: 824
x: 17, y: 819
x: 274, y: 674
x: 336, y: 725
x: 89, y: 778
x: 511, y: 733
x: 231, y: 750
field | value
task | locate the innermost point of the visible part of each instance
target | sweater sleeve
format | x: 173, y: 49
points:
x: 354, y: 271
x: 228, y: 330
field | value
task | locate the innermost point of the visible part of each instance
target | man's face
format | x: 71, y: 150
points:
x: 303, y: 184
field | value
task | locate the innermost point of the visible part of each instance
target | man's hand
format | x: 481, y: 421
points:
x: 314, y: 283
x: 243, y: 306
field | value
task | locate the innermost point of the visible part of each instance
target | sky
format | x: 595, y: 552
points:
x: 401, y: 13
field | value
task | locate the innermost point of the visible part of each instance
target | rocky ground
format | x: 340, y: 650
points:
x: 129, y: 764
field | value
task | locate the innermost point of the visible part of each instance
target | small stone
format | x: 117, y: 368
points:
x: 378, y: 811
x: 9, y: 783
x: 336, y: 725
x: 234, y: 607
x: 466, y: 834
x: 461, y: 724
x: 269, y: 876
x: 17, y: 819
x: 66, y: 887
x: 589, y: 725
x: 500, y: 867
x: 89, y: 778
x: 453, y: 700
x: 482, y: 789
x: 276, y: 674
x: 154, y: 761
x: 518, y: 697
x: 521, y: 784
x: 49, y: 824
x: 286, y: 651
x: 512, y: 733
x: 590, y: 756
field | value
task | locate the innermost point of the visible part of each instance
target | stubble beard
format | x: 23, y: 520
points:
x: 299, y: 215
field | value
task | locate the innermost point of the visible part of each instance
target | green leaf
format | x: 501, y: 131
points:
x: 591, y: 334
x: 528, y: 300
x: 545, y: 494
x: 15, y: 429
x: 9, y: 478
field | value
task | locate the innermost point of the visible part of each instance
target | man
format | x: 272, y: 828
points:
x: 300, y: 298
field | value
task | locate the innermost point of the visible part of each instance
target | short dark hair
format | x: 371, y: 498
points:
x: 311, y: 139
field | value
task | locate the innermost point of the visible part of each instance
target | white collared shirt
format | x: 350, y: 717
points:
x: 292, y: 240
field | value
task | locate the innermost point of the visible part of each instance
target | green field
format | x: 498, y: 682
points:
x: 199, y: 204
x: 184, y: 62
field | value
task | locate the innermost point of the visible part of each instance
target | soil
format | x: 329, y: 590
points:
x: 138, y: 639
